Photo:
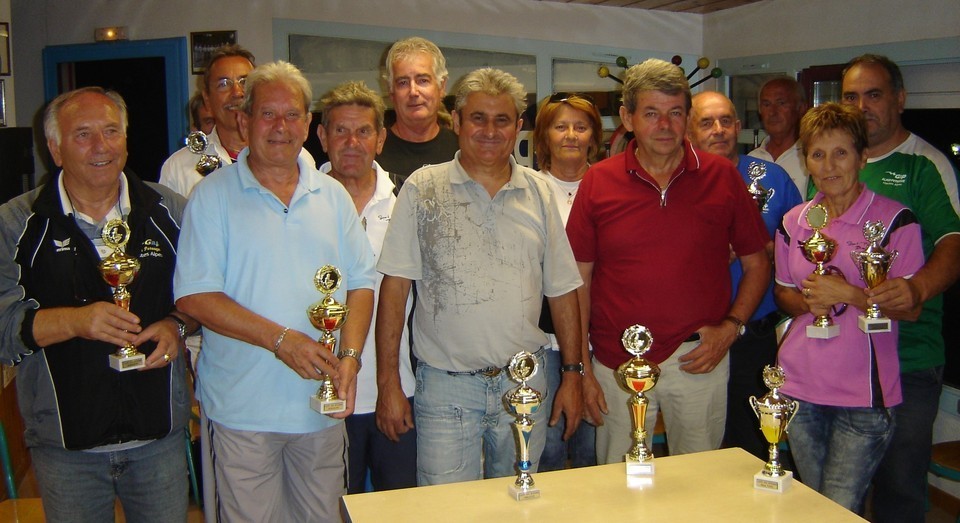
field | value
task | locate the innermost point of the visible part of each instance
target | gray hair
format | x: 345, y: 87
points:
x: 278, y: 71
x: 790, y: 82
x: 353, y: 93
x: 51, y: 118
x: 653, y: 75
x: 493, y: 82
x: 408, y: 48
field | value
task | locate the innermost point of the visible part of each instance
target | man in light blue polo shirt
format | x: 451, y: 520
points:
x: 253, y: 237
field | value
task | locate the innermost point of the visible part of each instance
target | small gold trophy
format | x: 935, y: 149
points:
x: 761, y: 195
x: 637, y: 376
x: 523, y: 402
x: 874, y: 264
x: 327, y: 315
x: 819, y: 249
x: 197, y: 142
x: 775, y: 411
x: 119, y: 270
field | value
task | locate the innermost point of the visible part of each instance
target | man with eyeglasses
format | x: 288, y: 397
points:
x: 222, y: 90
x: 96, y: 434
x: 254, y: 235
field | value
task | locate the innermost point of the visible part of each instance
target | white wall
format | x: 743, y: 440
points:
x: 786, y: 26
x: 55, y: 22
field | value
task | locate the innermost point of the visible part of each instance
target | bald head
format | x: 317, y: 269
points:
x: 713, y: 125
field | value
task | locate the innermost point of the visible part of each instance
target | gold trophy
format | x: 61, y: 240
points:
x: 775, y: 412
x: 197, y: 142
x: 874, y: 264
x: 119, y: 270
x: 637, y: 376
x: 523, y: 402
x: 758, y: 192
x: 327, y: 315
x: 819, y: 249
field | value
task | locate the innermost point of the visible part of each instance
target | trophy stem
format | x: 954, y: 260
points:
x: 326, y: 400
x: 638, y: 411
x: 773, y: 468
x: 522, y: 428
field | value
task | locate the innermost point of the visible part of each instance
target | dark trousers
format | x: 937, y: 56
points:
x: 391, y: 465
x: 748, y: 355
x: 900, y: 483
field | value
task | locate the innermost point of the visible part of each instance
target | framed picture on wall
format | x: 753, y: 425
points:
x: 203, y: 44
x: 4, y: 49
x: 3, y: 106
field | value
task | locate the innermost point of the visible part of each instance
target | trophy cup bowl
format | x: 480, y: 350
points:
x: 637, y: 376
x: 819, y: 249
x: 327, y: 315
x: 874, y: 263
x: 775, y: 411
x: 119, y: 270
x: 522, y: 403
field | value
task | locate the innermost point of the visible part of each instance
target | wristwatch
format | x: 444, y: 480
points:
x: 741, y: 328
x: 181, y: 325
x: 350, y: 353
x: 573, y: 367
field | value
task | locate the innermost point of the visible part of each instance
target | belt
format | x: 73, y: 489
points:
x: 489, y: 371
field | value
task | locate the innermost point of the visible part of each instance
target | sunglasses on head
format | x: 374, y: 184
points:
x: 564, y: 97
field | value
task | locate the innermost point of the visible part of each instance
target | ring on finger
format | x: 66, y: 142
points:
x: 166, y: 358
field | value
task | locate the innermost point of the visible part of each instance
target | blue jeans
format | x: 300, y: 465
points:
x: 837, y: 449
x: 900, y: 484
x: 581, y: 448
x: 151, y: 482
x: 391, y: 465
x: 462, y: 417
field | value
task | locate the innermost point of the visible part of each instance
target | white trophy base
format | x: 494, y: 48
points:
x: 873, y: 324
x: 778, y: 484
x: 639, y: 468
x: 125, y: 363
x: 522, y: 494
x: 823, y: 333
x: 327, y: 406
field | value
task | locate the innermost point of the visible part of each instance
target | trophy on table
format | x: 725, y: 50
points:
x: 197, y: 142
x: 637, y: 376
x: 761, y: 195
x: 819, y: 249
x: 874, y: 263
x: 523, y: 402
x: 119, y: 270
x: 327, y: 315
x: 775, y: 411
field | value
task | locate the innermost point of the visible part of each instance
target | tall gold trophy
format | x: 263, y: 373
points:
x: 819, y: 249
x: 775, y: 411
x: 328, y: 316
x: 637, y: 376
x: 874, y: 264
x: 523, y: 402
x: 119, y: 270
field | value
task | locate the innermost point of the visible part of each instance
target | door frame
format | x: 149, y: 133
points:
x: 174, y: 52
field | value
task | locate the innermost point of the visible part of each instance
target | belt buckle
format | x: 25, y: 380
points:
x: 490, y: 372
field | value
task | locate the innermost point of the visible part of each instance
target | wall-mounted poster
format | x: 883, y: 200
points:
x: 203, y: 44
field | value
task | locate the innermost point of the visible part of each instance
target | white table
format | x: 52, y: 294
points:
x: 709, y: 486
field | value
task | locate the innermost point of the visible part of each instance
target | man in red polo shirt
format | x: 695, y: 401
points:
x: 652, y: 231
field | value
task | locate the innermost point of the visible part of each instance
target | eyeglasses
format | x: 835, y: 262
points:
x: 226, y: 84
x: 566, y: 97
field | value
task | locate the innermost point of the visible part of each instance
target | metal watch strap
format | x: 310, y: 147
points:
x: 351, y: 353
x: 741, y: 328
x: 181, y: 325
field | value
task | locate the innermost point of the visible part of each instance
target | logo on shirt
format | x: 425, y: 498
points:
x: 151, y: 249
x: 61, y: 245
x: 383, y: 217
x: 893, y: 179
